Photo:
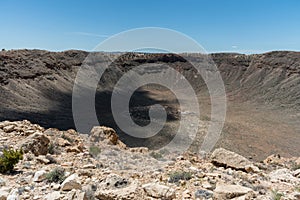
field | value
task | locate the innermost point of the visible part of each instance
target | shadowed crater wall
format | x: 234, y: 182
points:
x: 37, y: 85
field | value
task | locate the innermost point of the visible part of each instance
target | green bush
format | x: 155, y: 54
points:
x: 9, y: 159
x: 295, y: 167
x: 174, y: 177
x: 64, y: 136
x: 94, y: 151
x: 156, y: 155
x: 159, y: 155
x: 276, y: 195
x: 53, y: 148
x: 57, y: 175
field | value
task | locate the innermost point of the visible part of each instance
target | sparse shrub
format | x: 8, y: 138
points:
x: 164, y: 151
x: 94, y: 151
x: 53, y: 149
x: 205, y: 118
x: 57, y: 175
x: 258, y: 188
x: 276, y: 195
x: 295, y: 167
x: 64, y: 136
x: 156, y: 155
x: 160, y: 154
x: 9, y: 159
x: 176, y: 176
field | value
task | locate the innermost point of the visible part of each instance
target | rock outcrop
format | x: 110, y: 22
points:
x: 71, y: 183
x: 225, y: 158
x: 105, y: 134
x: 225, y: 191
x: 36, y: 143
x: 159, y: 191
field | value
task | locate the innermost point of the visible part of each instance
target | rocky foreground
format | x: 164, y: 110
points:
x: 69, y: 165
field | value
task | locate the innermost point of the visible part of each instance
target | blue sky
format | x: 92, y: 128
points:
x: 219, y: 26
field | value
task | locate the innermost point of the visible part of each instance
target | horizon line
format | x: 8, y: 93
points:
x: 158, y: 52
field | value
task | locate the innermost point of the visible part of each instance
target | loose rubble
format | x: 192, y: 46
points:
x: 99, y: 166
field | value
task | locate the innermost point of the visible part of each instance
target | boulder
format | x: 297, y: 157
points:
x: 224, y: 191
x: 283, y: 175
x: 9, y: 128
x: 225, y: 158
x: 252, y: 168
x: 71, y: 194
x: 89, y: 166
x: 81, y: 195
x: 4, y: 192
x: 160, y: 191
x: 73, y: 150
x: 71, y: 183
x: 3, y: 195
x: 203, y: 194
x: 274, y: 159
x: 36, y: 143
x: 116, y: 187
x: 126, y: 193
x: 55, y: 186
x: 42, y: 159
x: 102, y: 133
x: 13, y: 195
x: 53, y: 195
x: 39, y: 176
x: 115, y: 181
x: 62, y: 142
